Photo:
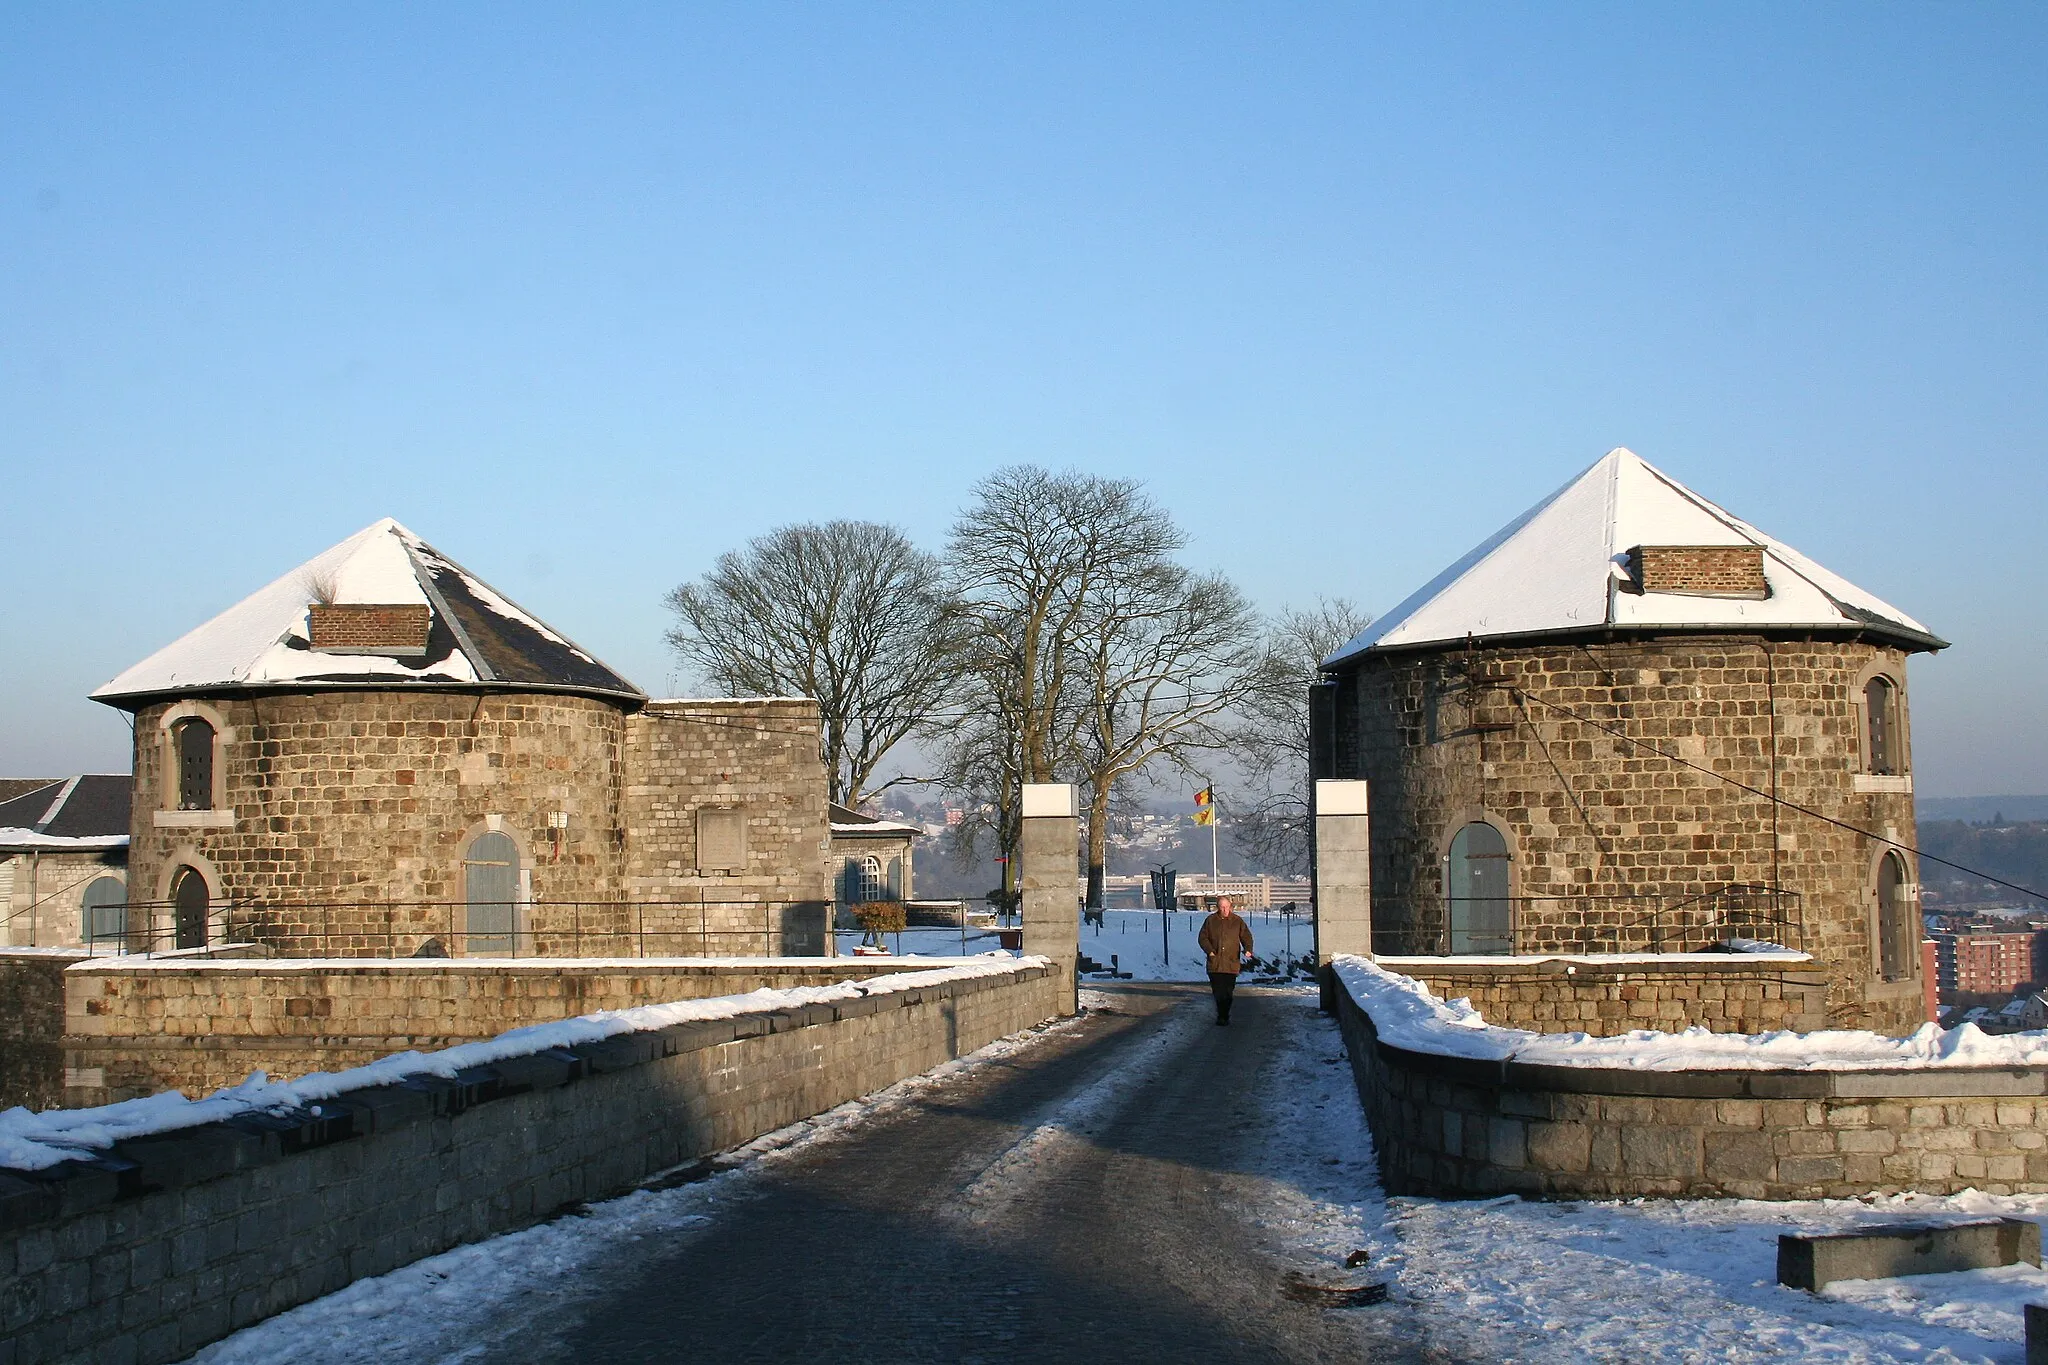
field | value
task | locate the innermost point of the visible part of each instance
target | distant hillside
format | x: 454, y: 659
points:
x: 2016, y: 851
x: 1979, y: 809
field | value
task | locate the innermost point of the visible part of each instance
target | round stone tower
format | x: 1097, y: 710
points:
x: 1630, y: 722
x: 375, y: 753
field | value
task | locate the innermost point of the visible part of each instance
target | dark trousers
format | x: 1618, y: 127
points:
x: 1221, y: 985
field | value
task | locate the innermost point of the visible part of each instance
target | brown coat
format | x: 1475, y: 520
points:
x: 1225, y: 940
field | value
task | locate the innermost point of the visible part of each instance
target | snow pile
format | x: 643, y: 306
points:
x: 1407, y: 1016
x: 31, y: 1142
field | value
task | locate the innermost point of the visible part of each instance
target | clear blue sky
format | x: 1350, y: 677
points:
x: 587, y: 294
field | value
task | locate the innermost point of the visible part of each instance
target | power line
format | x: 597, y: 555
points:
x: 1768, y: 796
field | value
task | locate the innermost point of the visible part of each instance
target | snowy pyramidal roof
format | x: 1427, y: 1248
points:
x: 474, y: 636
x: 1568, y: 566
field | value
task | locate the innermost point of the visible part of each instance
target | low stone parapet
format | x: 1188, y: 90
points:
x: 149, y: 1249
x: 136, y: 1026
x: 1604, y: 994
x: 1457, y: 1115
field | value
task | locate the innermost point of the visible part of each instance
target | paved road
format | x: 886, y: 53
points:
x: 1033, y: 1210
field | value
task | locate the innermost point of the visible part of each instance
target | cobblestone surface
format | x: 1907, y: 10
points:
x: 1121, y: 1241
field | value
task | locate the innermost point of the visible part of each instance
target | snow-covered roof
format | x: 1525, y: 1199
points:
x: 476, y: 637
x: 1563, y: 567
x: 853, y: 824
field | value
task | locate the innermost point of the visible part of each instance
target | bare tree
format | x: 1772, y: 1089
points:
x: 1166, y: 655
x: 848, y: 613
x: 1269, y: 736
x: 1023, y: 558
x: 1090, y: 651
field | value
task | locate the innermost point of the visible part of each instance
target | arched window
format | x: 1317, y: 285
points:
x: 189, y: 905
x: 1881, y: 726
x: 105, y: 911
x: 490, y: 882
x: 1898, y: 920
x: 193, y: 744
x: 866, y: 878
x: 1481, y: 916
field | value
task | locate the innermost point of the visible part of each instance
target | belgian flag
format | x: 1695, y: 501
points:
x: 1205, y: 806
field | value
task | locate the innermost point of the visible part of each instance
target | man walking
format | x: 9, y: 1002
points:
x: 1227, y: 939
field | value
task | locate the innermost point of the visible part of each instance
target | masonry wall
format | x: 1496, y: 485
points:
x: 32, y: 1028
x: 759, y: 758
x: 1725, y: 993
x: 46, y: 906
x: 347, y: 813
x: 215, y: 1228
x: 131, y: 1027
x: 1606, y: 838
x: 1456, y: 1128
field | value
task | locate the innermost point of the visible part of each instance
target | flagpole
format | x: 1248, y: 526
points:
x: 1205, y: 814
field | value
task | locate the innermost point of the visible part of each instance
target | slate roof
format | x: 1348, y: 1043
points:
x: 1561, y: 569
x: 476, y: 637
x: 88, y: 811
x: 11, y: 787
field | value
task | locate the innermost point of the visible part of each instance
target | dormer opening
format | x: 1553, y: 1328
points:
x: 1700, y: 570
x: 397, y: 631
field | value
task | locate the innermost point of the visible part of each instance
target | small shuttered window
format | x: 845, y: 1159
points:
x: 1898, y: 920
x: 193, y: 742
x: 1881, y: 725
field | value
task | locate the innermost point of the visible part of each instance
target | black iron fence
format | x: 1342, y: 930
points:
x: 1709, y: 921
x: 429, y: 929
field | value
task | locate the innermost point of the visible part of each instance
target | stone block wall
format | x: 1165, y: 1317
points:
x: 132, y: 1027
x: 758, y: 758
x: 32, y: 1027
x: 349, y: 812
x: 1728, y: 993
x: 46, y: 905
x: 214, y: 1228
x: 1458, y: 1128
x: 1608, y: 838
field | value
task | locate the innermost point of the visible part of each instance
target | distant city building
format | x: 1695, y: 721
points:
x: 1246, y: 893
x: 1989, y: 962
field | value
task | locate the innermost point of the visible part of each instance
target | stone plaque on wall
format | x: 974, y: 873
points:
x: 721, y: 840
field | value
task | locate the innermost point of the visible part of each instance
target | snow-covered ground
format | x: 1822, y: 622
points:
x: 1137, y: 939
x: 1154, y: 951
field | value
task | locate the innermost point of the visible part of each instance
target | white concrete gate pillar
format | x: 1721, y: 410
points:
x: 1343, y: 876
x: 1048, y: 854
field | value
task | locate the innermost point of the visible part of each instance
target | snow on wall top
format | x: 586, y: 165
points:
x: 475, y: 636
x: 1406, y: 1015
x: 1563, y: 566
x: 33, y: 1142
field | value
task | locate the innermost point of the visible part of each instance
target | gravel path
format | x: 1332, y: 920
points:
x: 1096, y: 1196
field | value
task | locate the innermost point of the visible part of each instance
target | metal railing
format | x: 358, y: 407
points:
x: 428, y: 929
x: 1706, y: 921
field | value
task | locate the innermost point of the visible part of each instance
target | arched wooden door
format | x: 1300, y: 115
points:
x: 490, y: 878
x: 1481, y: 915
x: 189, y: 907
